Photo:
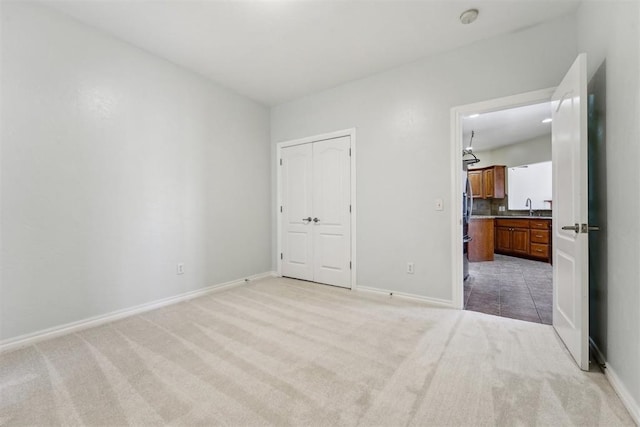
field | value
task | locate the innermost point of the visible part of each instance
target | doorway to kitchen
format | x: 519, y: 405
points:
x: 570, y: 227
x: 507, y: 221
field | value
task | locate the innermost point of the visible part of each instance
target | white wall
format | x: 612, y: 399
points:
x: 116, y: 165
x: 523, y: 153
x: 609, y: 30
x: 403, y: 134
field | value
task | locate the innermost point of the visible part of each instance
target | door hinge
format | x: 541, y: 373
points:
x: 280, y: 255
x: 280, y: 162
x: 349, y: 152
x: 280, y: 208
x: 349, y: 208
x: 349, y: 265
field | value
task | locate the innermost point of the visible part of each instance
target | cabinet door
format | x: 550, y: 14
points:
x: 498, y: 182
x: 520, y: 240
x: 488, y: 183
x: 475, y: 179
x: 503, y: 239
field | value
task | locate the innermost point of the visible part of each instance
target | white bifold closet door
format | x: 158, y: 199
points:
x: 316, y: 212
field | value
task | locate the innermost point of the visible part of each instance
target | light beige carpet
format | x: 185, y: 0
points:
x: 284, y: 352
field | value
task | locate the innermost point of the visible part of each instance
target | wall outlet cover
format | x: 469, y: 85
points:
x: 410, y: 268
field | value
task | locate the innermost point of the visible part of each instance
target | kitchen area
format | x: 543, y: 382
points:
x: 507, y: 211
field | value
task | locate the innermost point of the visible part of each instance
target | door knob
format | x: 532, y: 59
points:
x: 316, y: 220
x: 307, y: 219
x: 575, y: 227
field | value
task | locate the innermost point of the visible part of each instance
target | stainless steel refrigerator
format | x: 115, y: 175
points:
x: 467, y: 208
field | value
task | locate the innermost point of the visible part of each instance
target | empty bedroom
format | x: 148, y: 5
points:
x: 255, y: 213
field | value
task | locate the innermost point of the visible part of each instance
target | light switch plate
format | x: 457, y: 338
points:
x: 439, y: 205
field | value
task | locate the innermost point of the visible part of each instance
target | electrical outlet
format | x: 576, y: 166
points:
x: 410, y: 268
x: 180, y: 268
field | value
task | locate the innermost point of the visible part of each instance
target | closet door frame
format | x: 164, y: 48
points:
x: 351, y: 133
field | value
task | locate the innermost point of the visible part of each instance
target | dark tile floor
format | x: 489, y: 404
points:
x: 510, y: 287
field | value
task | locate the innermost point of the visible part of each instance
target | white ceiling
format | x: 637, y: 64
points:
x: 506, y: 127
x: 273, y: 51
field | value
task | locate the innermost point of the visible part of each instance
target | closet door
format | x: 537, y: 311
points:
x: 297, y: 208
x: 331, y: 212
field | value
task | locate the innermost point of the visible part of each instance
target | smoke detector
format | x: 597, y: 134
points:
x: 468, y: 16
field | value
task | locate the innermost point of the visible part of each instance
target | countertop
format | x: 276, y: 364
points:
x: 509, y: 217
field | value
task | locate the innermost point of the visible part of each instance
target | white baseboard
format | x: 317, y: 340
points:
x: 56, y: 331
x: 387, y: 292
x: 623, y: 393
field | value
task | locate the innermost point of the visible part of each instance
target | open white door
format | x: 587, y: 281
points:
x: 570, y: 239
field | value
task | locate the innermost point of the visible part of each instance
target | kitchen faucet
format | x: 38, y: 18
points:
x: 529, y: 205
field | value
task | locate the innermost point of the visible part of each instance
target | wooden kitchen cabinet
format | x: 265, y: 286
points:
x: 520, y: 241
x: 512, y: 236
x: 476, y: 182
x: 540, y: 247
x: 481, y: 246
x: 487, y: 183
x: 503, y: 240
x: 527, y: 238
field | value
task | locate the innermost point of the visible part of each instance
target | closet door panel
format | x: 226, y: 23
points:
x: 331, y: 211
x: 297, y: 207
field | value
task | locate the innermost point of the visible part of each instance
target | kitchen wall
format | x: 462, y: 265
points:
x: 402, y: 118
x: 116, y: 166
x: 534, y: 150
x: 609, y: 30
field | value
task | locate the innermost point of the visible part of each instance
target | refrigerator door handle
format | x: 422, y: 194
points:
x: 469, y: 199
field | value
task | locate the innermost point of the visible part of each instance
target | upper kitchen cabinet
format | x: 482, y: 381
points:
x: 487, y: 183
x: 476, y: 182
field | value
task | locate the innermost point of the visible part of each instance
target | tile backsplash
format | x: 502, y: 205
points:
x: 492, y: 207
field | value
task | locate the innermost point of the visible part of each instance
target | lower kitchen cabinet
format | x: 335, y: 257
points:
x: 527, y: 238
x: 481, y: 246
x: 540, y: 247
x: 520, y: 240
